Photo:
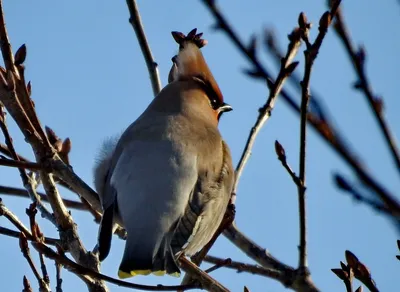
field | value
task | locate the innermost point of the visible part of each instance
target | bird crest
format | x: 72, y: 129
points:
x: 190, y: 63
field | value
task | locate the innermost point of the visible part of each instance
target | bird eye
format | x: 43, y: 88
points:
x: 214, y: 103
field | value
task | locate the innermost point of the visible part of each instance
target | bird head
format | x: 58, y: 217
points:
x: 190, y: 64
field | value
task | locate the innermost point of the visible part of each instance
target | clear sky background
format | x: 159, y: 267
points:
x: 89, y: 81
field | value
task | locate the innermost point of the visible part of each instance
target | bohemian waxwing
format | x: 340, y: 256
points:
x: 169, y: 178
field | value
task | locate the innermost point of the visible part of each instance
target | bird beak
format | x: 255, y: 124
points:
x: 225, y: 108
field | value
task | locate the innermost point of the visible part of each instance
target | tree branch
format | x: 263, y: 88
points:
x: 289, y: 276
x: 23, y: 243
x: 18, y: 192
x: 27, y: 181
x: 248, y: 268
x: 15, y: 95
x: 325, y: 129
x: 20, y: 164
x: 357, y: 58
x: 73, y: 267
x: 136, y: 22
x: 342, y: 183
x: 310, y: 54
x: 287, y: 67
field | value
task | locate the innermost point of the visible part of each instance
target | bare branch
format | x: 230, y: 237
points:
x: 23, y: 243
x: 15, y: 95
x: 310, y: 55
x: 206, y: 281
x: 361, y: 271
x: 20, y: 164
x: 258, y: 71
x: 81, y: 271
x: 221, y: 263
x: 18, y: 192
x: 37, y: 234
x: 197, y: 259
x: 58, y: 277
x: 4, y: 149
x: 5, y: 45
x: 287, y: 67
x: 305, y: 97
x: 26, y: 180
x: 27, y: 285
x: 15, y: 234
x: 343, y: 184
x: 324, y: 128
x: 136, y: 22
x: 280, y: 152
x: 43, y: 268
x: 64, y: 172
x: 247, y: 268
x: 357, y: 58
x: 15, y: 74
x: 289, y: 276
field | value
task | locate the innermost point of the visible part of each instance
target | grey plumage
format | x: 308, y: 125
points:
x: 169, y: 178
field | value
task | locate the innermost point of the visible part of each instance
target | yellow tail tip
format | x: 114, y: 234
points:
x: 124, y: 275
x: 176, y: 274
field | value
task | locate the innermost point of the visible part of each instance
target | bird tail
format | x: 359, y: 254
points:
x: 134, y: 263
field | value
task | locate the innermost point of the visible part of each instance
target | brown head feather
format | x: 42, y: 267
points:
x: 192, y: 65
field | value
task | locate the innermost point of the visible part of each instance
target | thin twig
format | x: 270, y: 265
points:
x: 15, y: 72
x: 305, y: 97
x: 325, y: 129
x: 23, y: 243
x: 27, y: 285
x: 20, y: 164
x: 254, y: 251
x: 197, y: 259
x: 316, y: 103
x: 78, y: 269
x: 343, y: 184
x: 357, y: 58
x: 206, y: 281
x: 345, y: 274
x: 361, y: 271
x: 58, y: 277
x: 218, y: 265
x: 74, y: 267
x: 246, y: 268
x: 22, y: 193
x: 67, y: 227
x: 26, y: 180
x: 18, y: 192
x: 5, y: 45
x: 288, y: 275
x: 4, y: 149
x: 136, y: 22
x: 280, y: 152
x: 79, y: 186
x: 15, y: 234
x: 310, y: 55
x: 44, y: 269
x: 31, y: 212
x: 287, y: 67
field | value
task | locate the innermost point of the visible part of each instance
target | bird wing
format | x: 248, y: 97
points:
x: 208, y: 202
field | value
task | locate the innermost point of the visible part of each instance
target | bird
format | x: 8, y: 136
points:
x: 169, y: 177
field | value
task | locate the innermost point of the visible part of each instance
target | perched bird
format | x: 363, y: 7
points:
x: 169, y: 177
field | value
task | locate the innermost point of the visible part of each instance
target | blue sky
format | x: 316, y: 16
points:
x: 89, y: 81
